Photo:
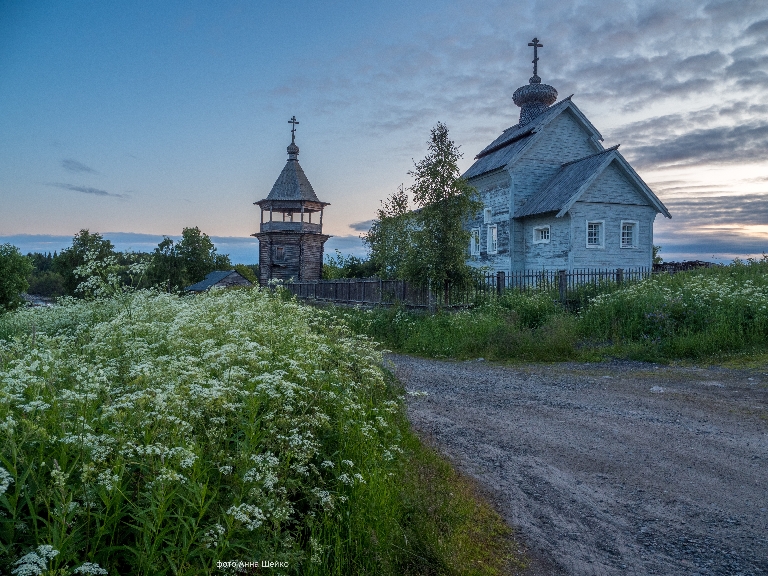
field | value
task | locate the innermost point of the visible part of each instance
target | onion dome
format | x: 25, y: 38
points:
x: 536, y: 97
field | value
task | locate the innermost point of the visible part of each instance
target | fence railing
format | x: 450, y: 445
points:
x: 376, y: 291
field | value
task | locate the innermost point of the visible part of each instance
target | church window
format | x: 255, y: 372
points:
x: 474, y: 242
x: 541, y: 235
x: 279, y: 253
x: 629, y: 234
x: 487, y: 216
x: 493, y: 239
x: 595, y: 235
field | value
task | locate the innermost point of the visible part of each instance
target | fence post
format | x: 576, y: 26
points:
x: 499, y: 282
x: 563, y: 286
x: 430, y: 297
x: 619, y: 276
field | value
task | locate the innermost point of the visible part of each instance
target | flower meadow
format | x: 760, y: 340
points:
x: 701, y: 314
x: 688, y: 315
x: 150, y: 434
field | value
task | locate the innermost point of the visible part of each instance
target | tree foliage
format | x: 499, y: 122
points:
x: 176, y: 265
x: 445, y: 202
x: 85, y: 247
x: 430, y: 243
x: 390, y: 238
x: 340, y: 266
x: 14, y: 269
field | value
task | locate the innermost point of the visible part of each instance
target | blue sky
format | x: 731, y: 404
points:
x: 136, y: 119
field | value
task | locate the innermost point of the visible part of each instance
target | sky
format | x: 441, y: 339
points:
x: 137, y: 119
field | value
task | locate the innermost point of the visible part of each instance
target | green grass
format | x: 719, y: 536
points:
x: 150, y: 434
x: 705, y: 315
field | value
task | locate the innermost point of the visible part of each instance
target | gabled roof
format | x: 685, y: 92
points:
x: 509, y: 147
x: 574, y: 178
x: 210, y: 280
x: 292, y: 184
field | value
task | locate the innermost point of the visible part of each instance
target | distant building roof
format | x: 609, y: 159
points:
x: 216, y: 277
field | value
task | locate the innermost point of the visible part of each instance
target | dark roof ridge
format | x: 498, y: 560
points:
x: 611, y: 149
x: 527, y: 130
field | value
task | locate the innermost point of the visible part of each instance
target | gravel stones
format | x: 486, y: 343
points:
x: 653, y: 470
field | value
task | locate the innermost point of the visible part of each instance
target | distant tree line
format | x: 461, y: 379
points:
x: 171, y: 267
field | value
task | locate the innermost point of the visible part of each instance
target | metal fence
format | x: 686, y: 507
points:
x: 565, y: 285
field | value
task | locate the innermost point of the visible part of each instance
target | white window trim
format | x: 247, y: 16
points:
x: 602, y: 235
x: 635, y: 234
x: 487, y: 216
x: 549, y: 234
x: 490, y: 248
x: 474, y: 242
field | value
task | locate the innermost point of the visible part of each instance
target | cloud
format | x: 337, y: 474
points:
x: 735, y: 210
x: 88, y: 190
x: 363, y: 226
x: 75, y: 166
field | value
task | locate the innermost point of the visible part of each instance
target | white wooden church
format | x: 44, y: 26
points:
x: 554, y: 198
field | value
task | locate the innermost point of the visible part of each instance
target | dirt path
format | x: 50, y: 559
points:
x: 617, y: 468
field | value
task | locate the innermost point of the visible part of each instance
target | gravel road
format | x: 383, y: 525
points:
x: 611, y: 468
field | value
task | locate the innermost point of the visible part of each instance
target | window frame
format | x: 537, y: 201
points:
x: 474, y: 242
x: 536, y: 229
x: 487, y: 215
x: 492, y: 239
x: 635, y: 234
x: 601, y: 244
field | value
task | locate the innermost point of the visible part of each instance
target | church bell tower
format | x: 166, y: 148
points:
x: 290, y: 242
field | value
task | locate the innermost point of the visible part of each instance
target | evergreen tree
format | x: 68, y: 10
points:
x: 390, y: 239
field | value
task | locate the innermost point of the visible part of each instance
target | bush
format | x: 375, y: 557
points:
x: 14, y: 269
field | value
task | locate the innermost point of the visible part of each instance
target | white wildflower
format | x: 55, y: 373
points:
x: 90, y: 568
x: 251, y: 516
x: 5, y: 480
x: 34, y: 563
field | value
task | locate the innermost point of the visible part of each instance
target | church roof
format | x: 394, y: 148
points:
x: 573, y: 179
x: 508, y: 147
x: 292, y: 184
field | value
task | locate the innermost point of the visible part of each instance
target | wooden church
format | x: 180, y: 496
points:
x: 290, y: 243
x: 554, y: 198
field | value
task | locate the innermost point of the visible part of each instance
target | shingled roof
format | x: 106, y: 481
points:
x: 214, y: 278
x: 292, y: 184
x: 514, y: 140
x: 573, y: 179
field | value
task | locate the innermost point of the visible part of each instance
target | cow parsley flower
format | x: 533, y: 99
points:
x: 90, y: 568
x: 5, y: 480
x: 34, y: 563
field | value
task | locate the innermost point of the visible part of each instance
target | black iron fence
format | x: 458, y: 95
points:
x: 564, y: 285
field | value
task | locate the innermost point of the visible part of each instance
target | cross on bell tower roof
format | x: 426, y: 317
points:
x: 293, y: 150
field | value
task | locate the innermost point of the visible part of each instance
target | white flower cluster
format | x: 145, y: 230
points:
x: 159, y: 397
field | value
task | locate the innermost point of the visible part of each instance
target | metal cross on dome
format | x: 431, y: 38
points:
x: 535, y: 44
x: 293, y: 129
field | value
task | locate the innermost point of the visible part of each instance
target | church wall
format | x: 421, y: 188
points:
x: 611, y: 255
x: 494, y: 190
x: 613, y: 187
x: 563, y: 140
x: 552, y: 255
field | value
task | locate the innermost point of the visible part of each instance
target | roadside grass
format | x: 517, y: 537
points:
x: 150, y: 434
x: 713, y: 315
